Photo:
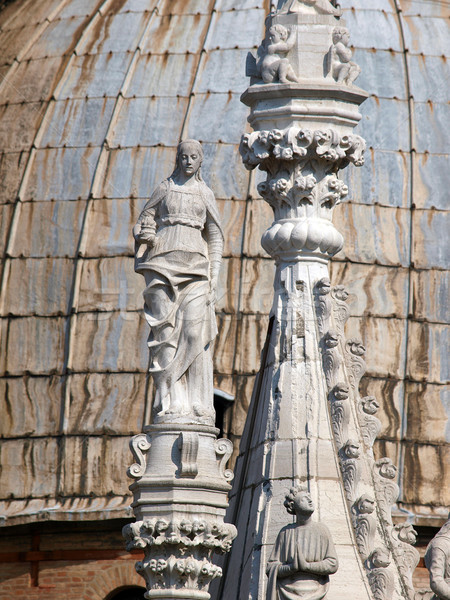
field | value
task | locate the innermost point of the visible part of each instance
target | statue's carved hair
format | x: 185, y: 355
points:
x: 199, y: 149
x: 338, y: 32
x: 289, y: 501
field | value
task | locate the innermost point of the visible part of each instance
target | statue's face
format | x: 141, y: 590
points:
x: 189, y: 159
x: 303, y: 503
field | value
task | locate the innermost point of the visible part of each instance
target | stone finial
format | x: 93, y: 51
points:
x: 437, y: 561
x: 303, y: 556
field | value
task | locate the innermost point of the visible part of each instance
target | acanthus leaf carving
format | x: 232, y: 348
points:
x: 331, y: 357
x: 340, y: 309
x: 323, y: 304
x: 139, y: 446
x: 381, y: 579
x: 387, y: 490
x: 340, y: 412
x: 293, y: 143
x: 404, y: 537
x: 365, y: 524
x: 354, y: 359
x: 370, y: 425
x: 350, y: 454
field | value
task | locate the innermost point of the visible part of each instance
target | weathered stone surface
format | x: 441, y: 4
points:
x: 113, y: 219
x: 257, y: 285
x: 35, y: 345
x: 386, y: 344
x: 228, y: 285
x: 430, y: 291
x: 424, y: 465
x: 68, y: 166
x: 225, y: 343
x: 111, y: 404
x: 46, y: 289
x: 383, y: 237
x: 389, y: 393
x: 428, y: 412
x: 232, y: 217
x: 29, y: 468
x: 81, y: 121
x: 12, y: 165
x: 428, y: 346
x: 65, y: 220
x: 249, y: 329
x: 103, y: 332
x: 30, y: 406
x: 428, y: 227
x: 106, y: 457
x: 109, y: 283
x: 374, y: 290
x: 260, y: 215
x: 17, y: 125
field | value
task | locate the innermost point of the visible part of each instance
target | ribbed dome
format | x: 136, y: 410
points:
x: 94, y: 99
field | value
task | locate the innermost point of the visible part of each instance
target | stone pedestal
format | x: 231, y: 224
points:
x: 180, y: 499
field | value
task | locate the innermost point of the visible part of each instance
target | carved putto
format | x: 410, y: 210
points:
x: 437, y: 561
x: 323, y: 7
x: 272, y: 64
x: 342, y: 69
x: 303, y: 556
x: 179, y: 245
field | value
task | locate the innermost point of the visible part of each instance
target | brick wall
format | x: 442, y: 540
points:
x: 57, y: 562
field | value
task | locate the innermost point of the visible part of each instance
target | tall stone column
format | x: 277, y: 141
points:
x: 307, y: 423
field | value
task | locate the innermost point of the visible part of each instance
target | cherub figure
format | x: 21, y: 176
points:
x: 342, y: 68
x: 303, y: 556
x: 323, y: 7
x: 271, y: 65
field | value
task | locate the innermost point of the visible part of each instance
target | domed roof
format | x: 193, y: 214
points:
x: 94, y: 98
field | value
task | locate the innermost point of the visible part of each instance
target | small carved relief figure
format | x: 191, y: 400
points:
x: 303, y: 556
x: 437, y: 561
x: 179, y: 245
x: 323, y: 7
x: 365, y: 523
x: 342, y: 68
x: 272, y: 64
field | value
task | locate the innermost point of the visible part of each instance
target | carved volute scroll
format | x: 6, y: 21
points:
x: 139, y: 445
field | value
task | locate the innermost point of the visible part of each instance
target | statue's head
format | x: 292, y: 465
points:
x: 277, y: 33
x: 299, y: 502
x: 365, y: 504
x: 340, y: 34
x: 189, y: 158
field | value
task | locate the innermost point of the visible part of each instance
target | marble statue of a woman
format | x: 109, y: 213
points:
x: 179, y: 244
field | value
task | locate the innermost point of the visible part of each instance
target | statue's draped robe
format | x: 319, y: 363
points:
x: 178, y: 304
x: 437, y: 561
x: 314, y: 541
